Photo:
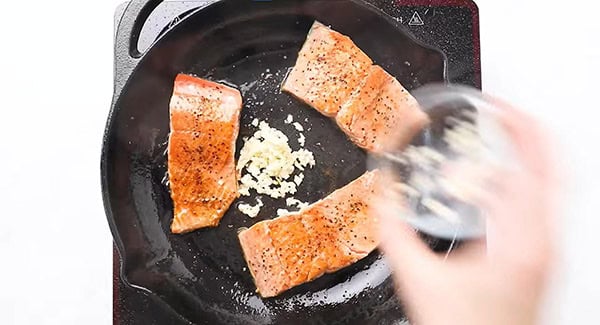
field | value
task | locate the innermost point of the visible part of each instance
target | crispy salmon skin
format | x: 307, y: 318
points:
x: 204, y: 128
x: 322, y: 238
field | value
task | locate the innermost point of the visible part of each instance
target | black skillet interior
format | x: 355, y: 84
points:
x: 202, y: 275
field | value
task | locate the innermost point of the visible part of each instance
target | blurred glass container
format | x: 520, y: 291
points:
x: 437, y: 183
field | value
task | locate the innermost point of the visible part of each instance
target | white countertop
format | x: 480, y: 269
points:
x: 56, y: 84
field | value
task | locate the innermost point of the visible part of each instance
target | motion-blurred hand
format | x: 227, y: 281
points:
x: 502, y: 279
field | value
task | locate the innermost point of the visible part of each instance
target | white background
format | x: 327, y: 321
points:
x: 55, y: 89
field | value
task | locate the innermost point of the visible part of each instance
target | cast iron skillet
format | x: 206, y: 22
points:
x: 251, y: 45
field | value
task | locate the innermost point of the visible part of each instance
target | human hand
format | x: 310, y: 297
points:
x: 499, y: 280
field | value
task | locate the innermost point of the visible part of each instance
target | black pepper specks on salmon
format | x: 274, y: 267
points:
x: 203, y: 130
x: 330, y: 62
x: 322, y: 238
x: 373, y: 112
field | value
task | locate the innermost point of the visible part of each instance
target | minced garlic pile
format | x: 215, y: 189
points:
x: 251, y: 210
x: 271, y: 166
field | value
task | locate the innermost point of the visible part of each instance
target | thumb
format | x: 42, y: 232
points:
x: 410, y: 258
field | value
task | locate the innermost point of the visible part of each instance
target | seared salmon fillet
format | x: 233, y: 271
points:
x: 322, y: 238
x: 204, y: 128
x: 329, y: 67
x: 381, y: 110
x: 339, y: 80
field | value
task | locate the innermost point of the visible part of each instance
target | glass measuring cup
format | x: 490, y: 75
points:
x: 436, y: 183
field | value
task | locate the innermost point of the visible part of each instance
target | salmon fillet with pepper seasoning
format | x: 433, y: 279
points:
x: 204, y: 128
x: 339, y: 80
x: 322, y: 238
x: 381, y: 110
x: 329, y: 67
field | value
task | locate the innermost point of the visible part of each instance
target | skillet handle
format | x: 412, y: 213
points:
x: 127, y: 55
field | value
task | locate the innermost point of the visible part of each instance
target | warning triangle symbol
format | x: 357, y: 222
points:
x: 416, y: 20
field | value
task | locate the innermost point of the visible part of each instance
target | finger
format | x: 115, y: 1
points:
x: 540, y: 180
x: 409, y: 257
x: 531, y: 141
x: 469, y: 252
